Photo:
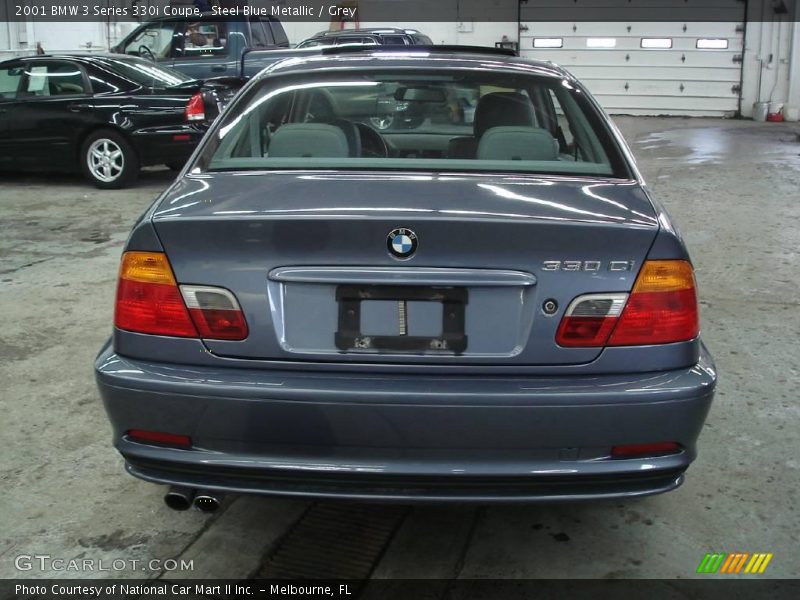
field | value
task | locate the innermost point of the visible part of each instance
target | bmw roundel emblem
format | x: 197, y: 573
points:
x: 402, y: 242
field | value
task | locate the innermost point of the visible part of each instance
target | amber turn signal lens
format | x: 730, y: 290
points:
x: 665, y: 276
x: 146, y: 267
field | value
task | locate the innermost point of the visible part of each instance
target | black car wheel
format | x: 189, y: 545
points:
x: 108, y: 160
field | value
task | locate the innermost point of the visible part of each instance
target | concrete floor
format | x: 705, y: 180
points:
x: 733, y: 186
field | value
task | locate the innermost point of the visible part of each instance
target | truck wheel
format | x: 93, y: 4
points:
x: 108, y: 160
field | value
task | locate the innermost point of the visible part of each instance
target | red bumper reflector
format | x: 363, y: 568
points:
x: 157, y: 437
x: 182, y: 137
x: 645, y: 450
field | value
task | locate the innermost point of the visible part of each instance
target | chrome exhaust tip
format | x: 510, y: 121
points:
x: 179, y: 498
x: 207, y: 502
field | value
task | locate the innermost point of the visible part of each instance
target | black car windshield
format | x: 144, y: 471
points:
x: 476, y: 121
x: 145, y: 73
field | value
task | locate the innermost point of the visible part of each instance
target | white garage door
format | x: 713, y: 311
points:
x: 646, y: 68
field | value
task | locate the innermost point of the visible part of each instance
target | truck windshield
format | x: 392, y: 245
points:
x: 480, y: 121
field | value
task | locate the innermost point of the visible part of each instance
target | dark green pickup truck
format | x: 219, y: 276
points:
x: 203, y: 47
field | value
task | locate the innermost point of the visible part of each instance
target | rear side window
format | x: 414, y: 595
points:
x: 10, y: 79
x: 431, y: 121
x: 314, y: 42
x: 351, y: 39
x: 156, y: 39
x: 204, y: 38
x: 258, y: 34
x: 53, y: 79
x: 278, y: 33
x: 393, y: 40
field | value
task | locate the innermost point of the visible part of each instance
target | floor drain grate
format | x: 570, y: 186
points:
x: 334, y: 541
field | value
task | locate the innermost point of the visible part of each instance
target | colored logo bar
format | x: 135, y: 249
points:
x: 735, y: 563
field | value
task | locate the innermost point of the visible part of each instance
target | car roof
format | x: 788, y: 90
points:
x: 79, y: 56
x: 415, y: 57
x: 365, y: 31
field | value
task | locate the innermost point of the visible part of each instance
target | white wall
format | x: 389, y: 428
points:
x: 17, y: 39
x: 771, y: 67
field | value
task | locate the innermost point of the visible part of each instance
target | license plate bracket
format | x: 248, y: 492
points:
x: 350, y: 338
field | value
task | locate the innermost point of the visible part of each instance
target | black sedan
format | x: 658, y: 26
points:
x: 106, y: 115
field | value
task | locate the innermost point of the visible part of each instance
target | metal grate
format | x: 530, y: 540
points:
x: 334, y: 541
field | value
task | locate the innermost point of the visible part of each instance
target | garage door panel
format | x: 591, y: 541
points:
x: 637, y: 28
x: 541, y: 7
x: 624, y: 10
x: 616, y: 58
x: 652, y: 87
x: 666, y: 105
x: 672, y: 74
x: 634, y: 44
x: 629, y: 77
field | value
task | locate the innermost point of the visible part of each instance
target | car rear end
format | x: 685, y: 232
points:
x: 315, y: 311
x: 169, y: 112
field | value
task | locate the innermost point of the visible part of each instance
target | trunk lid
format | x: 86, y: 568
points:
x: 307, y: 255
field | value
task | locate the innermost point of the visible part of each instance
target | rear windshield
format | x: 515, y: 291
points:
x: 399, y: 120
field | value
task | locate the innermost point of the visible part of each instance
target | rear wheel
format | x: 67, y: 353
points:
x: 108, y: 160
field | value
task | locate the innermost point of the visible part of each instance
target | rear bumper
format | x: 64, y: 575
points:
x: 406, y: 437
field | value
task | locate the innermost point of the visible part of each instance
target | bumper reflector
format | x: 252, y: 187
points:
x: 157, y: 437
x: 645, y: 450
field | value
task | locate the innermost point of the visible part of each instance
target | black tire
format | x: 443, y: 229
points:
x: 108, y: 160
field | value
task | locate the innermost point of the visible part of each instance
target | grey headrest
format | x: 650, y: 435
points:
x: 517, y: 143
x: 500, y: 109
x: 309, y: 140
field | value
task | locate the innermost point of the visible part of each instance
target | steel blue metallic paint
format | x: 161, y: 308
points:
x: 285, y: 414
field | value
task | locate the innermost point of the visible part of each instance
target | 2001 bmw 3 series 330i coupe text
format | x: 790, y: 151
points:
x: 484, y: 305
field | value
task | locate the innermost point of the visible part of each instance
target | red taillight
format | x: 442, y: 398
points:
x: 195, y: 109
x: 645, y: 450
x: 215, y: 312
x: 158, y: 437
x: 148, y: 299
x: 662, y: 308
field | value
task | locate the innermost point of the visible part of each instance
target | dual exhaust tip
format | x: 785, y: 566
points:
x: 181, y: 498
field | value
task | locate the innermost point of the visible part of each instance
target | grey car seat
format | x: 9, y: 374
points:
x: 339, y: 139
x: 517, y: 143
x: 498, y: 109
